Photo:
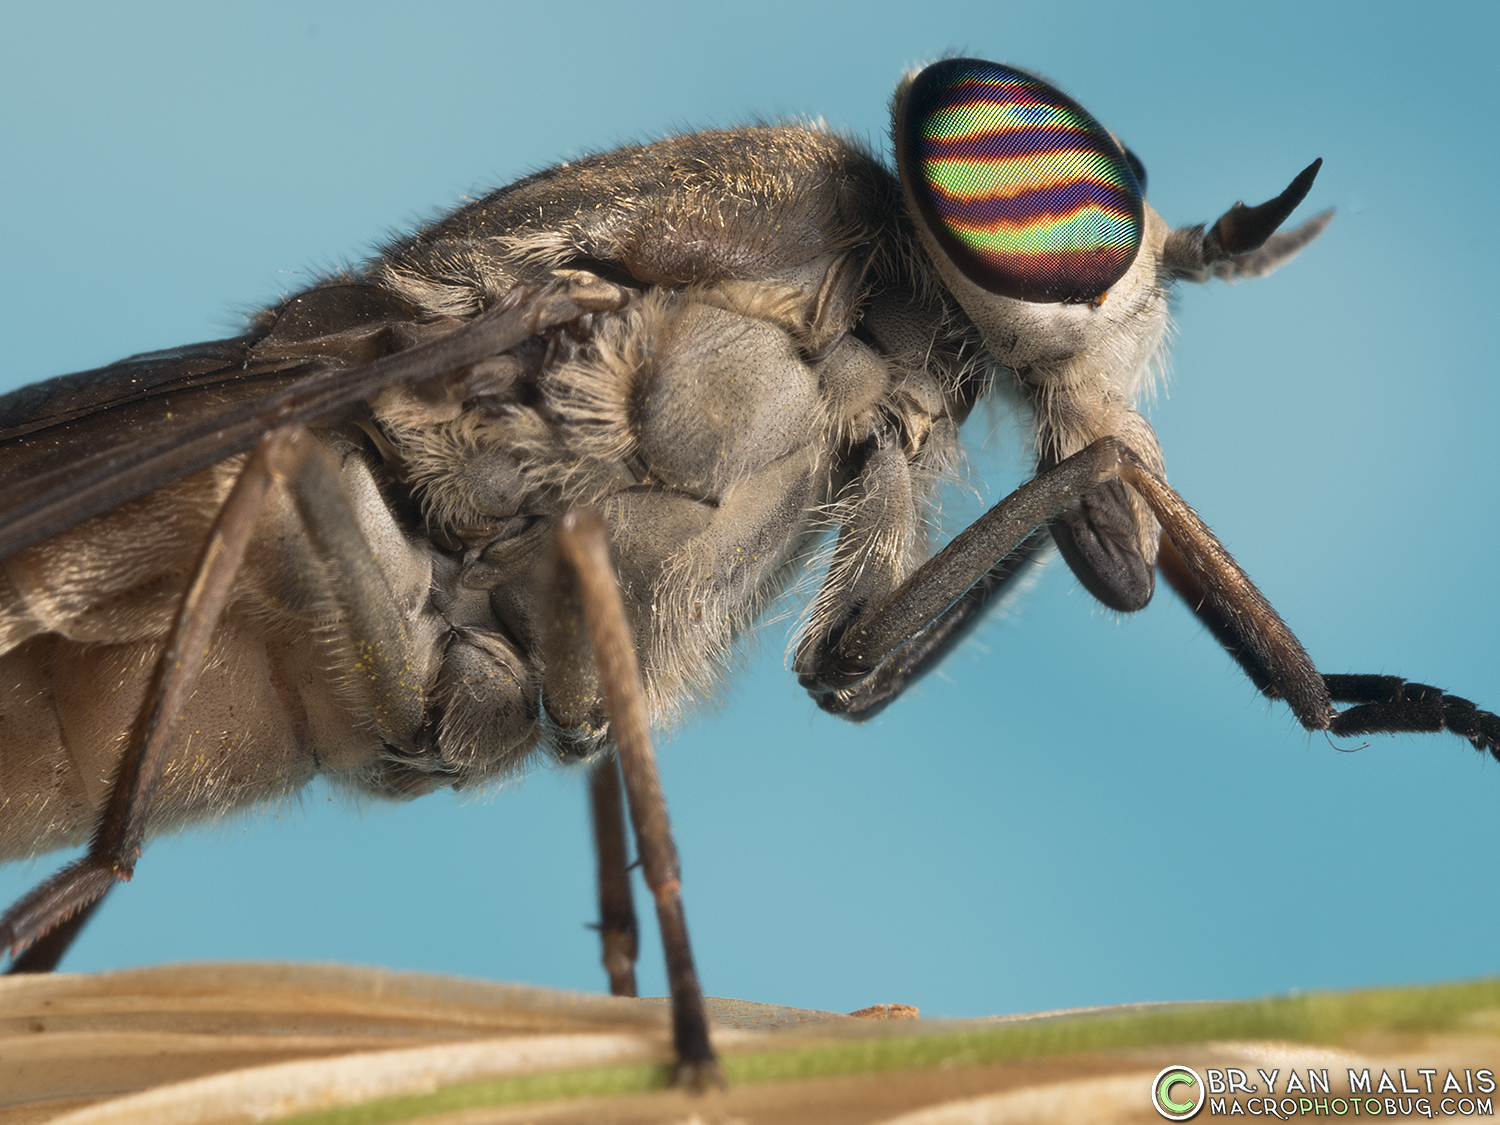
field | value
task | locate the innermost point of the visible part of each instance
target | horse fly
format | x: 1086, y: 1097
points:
x: 516, y: 484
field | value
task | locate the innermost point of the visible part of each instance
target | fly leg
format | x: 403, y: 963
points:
x: 372, y: 622
x: 1244, y: 622
x: 870, y: 696
x: 588, y: 589
x: 617, y: 927
x: 1382, y: 704
x: 881, y: 632
x: 62, y: 904
x: 43, y: 954
x: 886, y: 635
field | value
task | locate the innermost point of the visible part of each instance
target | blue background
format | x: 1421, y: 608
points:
x: 1080, y: 809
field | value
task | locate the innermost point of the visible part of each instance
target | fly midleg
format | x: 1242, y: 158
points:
x: 588, y: 590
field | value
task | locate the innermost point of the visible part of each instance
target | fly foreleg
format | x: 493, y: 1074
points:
x: 887, y: 637
x: 863, y: 658
x: 1382, y: 704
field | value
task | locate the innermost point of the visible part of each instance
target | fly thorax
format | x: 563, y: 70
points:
x: 724, y: 396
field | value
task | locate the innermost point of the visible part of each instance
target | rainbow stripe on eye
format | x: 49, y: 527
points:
x: 1028, y: 194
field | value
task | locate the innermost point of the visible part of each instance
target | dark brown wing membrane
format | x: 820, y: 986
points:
x: 349, y: 323
x: 81, y: 444
x: 57, y: 436
x: 84, y: 444
x: 42, y: 407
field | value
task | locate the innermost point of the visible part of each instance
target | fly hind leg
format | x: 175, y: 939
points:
x: 56, y: 911
x: 372, y: 622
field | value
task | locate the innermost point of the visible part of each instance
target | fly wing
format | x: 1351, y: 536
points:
x: 57, y: 435
x: 84, y: 444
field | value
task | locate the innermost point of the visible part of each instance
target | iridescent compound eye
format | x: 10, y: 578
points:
x: 1027, y: 193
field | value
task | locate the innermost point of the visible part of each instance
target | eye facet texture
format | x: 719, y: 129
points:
x: 1028, y: 194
